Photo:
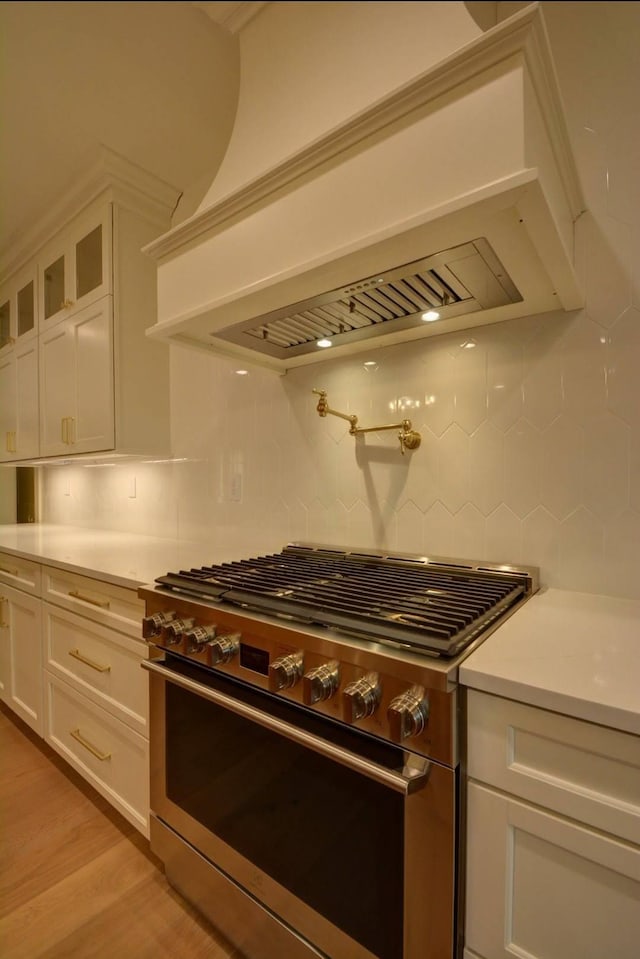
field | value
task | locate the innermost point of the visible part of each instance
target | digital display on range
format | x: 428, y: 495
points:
x: 254, y: 659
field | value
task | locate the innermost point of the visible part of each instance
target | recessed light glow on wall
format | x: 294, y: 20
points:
x: 242, y: 372
x: 430, y: 316
x: 323, y: 344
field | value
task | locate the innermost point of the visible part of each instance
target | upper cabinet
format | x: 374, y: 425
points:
x: 78, y: 374
x: 19, y: 437
x: 75, y: 269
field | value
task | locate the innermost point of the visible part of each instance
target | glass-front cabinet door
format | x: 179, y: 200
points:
x: 75, y: 268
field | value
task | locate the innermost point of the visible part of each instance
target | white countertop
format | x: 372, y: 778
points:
x: 573, y: 653
x: 126, y: 559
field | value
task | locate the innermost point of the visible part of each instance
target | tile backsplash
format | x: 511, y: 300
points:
x: 530, y: 447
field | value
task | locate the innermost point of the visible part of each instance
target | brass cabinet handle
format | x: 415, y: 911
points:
x: 71, y: 430
x: 76, y: 594
x: 99, y: 668
x: 9, y: 570
x: 63, y: 429
x: 11, y: 441
x: 89, y: 746
x: 3, y: 625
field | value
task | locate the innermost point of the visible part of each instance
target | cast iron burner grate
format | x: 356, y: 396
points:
x: 433, y: 606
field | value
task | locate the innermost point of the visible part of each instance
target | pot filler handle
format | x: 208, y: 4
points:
x: 412, y: 777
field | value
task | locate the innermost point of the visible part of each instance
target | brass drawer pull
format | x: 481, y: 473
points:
x: 89, y: 746
x: 99, y: 668
x: 7, y: 569
x: 103, y: 603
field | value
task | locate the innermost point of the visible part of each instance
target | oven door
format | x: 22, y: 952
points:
x: 344, y: 839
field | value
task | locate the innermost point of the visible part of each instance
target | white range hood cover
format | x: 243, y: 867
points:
x: 457, y: 190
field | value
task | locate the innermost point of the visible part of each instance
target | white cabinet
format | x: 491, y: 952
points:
x: 18, y: 369
x: 20, y: 640
x: 86, y: 295
x: 96, y: 697
x: 75, y: 269
x: 77, y: 382
x: 553, y: 835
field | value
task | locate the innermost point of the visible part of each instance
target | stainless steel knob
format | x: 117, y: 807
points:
x: 320, y: 683
x: 222, y: 649
x: 171, y: 633
x: 361, y: 698
x: 285, y: 671
x: 196, y: 637
x: 151, y: 625
x: 408, y: 714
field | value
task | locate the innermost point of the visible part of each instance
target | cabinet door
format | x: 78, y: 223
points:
x: 27, y: 433
x: 545, y: 887
x: 21, y: 655
x: 75, y: 268
x: 7, y: 406
x: 77, y: 383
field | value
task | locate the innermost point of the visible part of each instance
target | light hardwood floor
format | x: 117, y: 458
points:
x: 77, y: 881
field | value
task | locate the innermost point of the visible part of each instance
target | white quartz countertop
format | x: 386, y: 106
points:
x: 125, y: 559
x: 573, y: 653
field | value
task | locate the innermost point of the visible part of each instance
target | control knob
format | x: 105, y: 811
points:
x: 361, y: 698
x: 285, y: 671
x: 222, y: 649
x: 196, y: 637
x: 408, y: 714
x: 320, y: 683
x: 171, y: 633
x: 151, y: 625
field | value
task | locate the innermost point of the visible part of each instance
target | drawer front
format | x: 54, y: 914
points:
x: 106, y: 752
x: 112, y: 606
x: 544, y: 887
x: 584, y: 771
x: 103, y: 665
x: 21, y: 573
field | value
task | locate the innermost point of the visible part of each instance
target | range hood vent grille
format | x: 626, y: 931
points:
x: 456, y: 281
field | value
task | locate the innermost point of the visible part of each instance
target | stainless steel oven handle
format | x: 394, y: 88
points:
x: 411, y: 778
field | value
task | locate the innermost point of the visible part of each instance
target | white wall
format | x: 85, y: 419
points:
x: 530, y: 440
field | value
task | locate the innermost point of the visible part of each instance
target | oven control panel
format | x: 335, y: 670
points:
x: 334, y: 678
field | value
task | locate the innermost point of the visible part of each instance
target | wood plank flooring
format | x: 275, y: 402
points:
x: 77, y: 881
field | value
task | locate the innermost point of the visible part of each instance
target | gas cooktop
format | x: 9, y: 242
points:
x: 431, y: 605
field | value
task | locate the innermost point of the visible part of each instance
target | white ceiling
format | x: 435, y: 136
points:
x: 156, y: 82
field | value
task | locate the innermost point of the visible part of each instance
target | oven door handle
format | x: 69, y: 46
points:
x: 413, y: 776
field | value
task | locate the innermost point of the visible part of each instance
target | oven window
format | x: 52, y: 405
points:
x: 331, y: 836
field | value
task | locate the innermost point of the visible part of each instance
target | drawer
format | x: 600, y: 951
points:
x: 585, y: 771
x: 98, y: 662
x: 21, y: 573
x: 113, y: 606
x: 106, y: 752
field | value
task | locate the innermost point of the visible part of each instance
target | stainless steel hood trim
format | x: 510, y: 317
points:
x: 524, y: 33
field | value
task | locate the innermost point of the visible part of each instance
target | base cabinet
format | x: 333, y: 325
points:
x: 71, y: 668
x: 553, y: 836
x: 21, y: 655
x: 96, y: 698
x: 21, y: 639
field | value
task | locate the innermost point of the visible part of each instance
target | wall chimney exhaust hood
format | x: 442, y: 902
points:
x: 454, y: 194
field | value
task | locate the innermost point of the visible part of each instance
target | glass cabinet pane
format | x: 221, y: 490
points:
x: 54, y: 288
x: 89, y: 262
x: 5, y: 324
x: 26, y: 312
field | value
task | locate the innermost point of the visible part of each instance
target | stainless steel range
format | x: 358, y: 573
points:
x: 305, y: 727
